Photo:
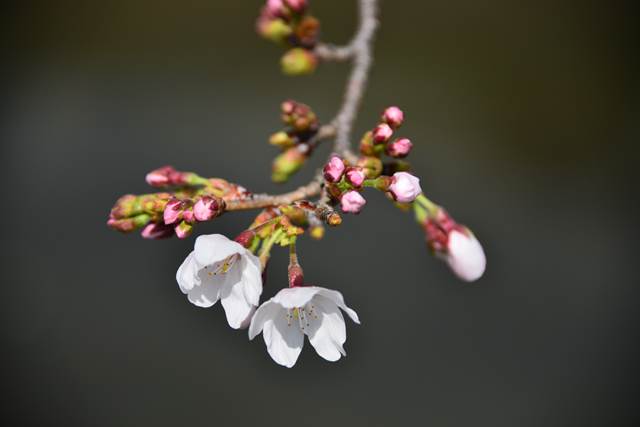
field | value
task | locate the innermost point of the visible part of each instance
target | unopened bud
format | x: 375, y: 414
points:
x: 352, y: 202
x: 307, y: 31
x: 282, y: 139
x: 287, y: 163
x: 183, y: 230
x: 382, y: 133
x: 371, y: 166
x: 246, y: 238
x: 298, y: 6
x: 299, y: 61
x: 296, y: 275
x: 129, y: 224
x: 334, y: 169
x: 156, y: 230
x: 393, y: 116
x: 404, y: 187
x: 399, y: 148
x: 355, y: 177
x: 173, y: 211
x: 207, y: 208
x: 276, y: 30
x: 125, y: 206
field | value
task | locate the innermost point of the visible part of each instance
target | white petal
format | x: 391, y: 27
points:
x: 235, y: 304
x: 187, y: 276
x: 284, y: 342
x: 214, y: 248
x: 337, y: 298
x: 205, y: 295
x: 328, y: 333
x: 466, y: 257
x: 296, y: 297
x: 252, y: 278
x: 265, y: 312
x: 246, y: 322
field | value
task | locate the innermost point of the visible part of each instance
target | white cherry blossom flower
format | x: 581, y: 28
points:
x: 221, y: 269
x: 294, y: 312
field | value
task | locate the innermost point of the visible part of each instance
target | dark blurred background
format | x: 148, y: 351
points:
x: 524, y: 115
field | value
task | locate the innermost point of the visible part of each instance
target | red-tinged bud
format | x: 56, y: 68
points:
x: 456, y: 245
x: 125, y: 206
x: 355, y: 177
x: 296, y: 275
x: 183, y: 230
x: 208, y: 208
x: 367, y: 147
x: 276, y: 8
x: 156, y: 230
x: 129, y: 224
x: 334, y: 169
x: 299, y: 61
x: 246, y: 238
x: 352, y: 202
x: 298, y: 6
x: 399, y: 148
x: 371, y: 166
x: 288, y: 107
x: 160, y: 177
x: 173, y: 211
x: 382, y: 133
x: 393, y: 116
x: 288, y: 163
x: 306, y: 31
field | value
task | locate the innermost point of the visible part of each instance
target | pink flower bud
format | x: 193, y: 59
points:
x: 355, y: 176
x: 173, y: 211
x: 183, y: 230
x: 298, y: 6
x: 393, y: 116
x: 207, y: 208
x: 275, y: 7
x: 160, y: 177
x: 456, y: 245
x: 404, y: 187
x: 334, y: 169
x: 399, y: 148
x: 157, y: 230
x: 382, y: 133
x: 352, y: 202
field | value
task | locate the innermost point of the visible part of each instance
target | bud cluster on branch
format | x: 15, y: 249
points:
x: 233, y: 271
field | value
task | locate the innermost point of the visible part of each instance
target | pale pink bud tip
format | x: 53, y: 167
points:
x: 399, y: 148
x: 275, y: 7
x: 352, y: 202
x: 355, y: 177
x: 382, y: 133
x: 156, y: 231
x: 160, y: 177
x: 404, y: 187
x: 173, y: 211
x: 334, y: 169
x: 465, y: 256
x: 393, y: 116
x: 206, y: 208
x: 297, y: 6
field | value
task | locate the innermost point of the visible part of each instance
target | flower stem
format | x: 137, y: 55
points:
x: 265, y: 250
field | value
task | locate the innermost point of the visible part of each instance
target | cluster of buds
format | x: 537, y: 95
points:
x: 189, y: 199
x: 288, y: 23
x: 452, y: 242
x: 296, y: 141
x: 345, y: 183
x: 380, y: 140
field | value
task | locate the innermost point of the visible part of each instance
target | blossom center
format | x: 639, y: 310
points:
x: 304, y: 316
x: 224, y: 266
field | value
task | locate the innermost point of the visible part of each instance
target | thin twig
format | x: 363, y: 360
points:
x: 359, y: 50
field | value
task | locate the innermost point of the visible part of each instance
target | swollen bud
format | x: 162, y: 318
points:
x: 393, y: 116
x: 287, y: 163
x: 156, y: 230
x: 208, y: 208
x: 298, y: 61
x: 183, y: 230
x: 352, y: 202
x: 382, y: 133
x: 404, y: 187
x: 276, y: 30
x: 334, y: 169
x: 355, y: 177
x: 282, y: 139
x: 399, y: 148
x: 173, y: 211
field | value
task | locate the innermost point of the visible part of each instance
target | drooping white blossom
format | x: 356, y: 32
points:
x: 294, y: 312
x: 221, y: 269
